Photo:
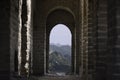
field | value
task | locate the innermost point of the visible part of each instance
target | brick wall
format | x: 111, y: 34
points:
x: 116, y: 64
x: 92, y: 26
x: 84, y: 39
x: 111, y: 38
x: 101, y: 55
x: 38, y: 43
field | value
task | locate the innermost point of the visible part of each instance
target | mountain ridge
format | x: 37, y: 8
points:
x: 59, y: 58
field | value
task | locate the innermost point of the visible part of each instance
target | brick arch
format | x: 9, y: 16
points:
x: 61, y: 16
x: 42, y: 24
x: 61, y: 8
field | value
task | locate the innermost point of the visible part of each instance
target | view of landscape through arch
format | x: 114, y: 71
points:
x: 60, y: 50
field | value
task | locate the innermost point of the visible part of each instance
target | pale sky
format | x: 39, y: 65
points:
x: 60, y: 34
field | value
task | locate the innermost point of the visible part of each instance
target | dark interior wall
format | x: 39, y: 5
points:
x: 116, y: 39
x: 108, y: 57
x: 111, y: 38
x: 14, y: 29
x: 9, y: 37
x: 113, y: 47
x: 38, y: 39
x: 102, y: 36
x: 4, y: 39
x: 92, y: 34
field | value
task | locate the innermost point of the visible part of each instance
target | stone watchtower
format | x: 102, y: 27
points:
x: 25, y: 30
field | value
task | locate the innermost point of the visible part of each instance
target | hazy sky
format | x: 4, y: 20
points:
x: 60, y: 34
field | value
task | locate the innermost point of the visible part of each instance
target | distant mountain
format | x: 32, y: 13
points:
x: 60, y: 58
x: 65, y: 50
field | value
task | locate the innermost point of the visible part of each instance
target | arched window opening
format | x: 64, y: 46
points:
x: 60, y: 50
